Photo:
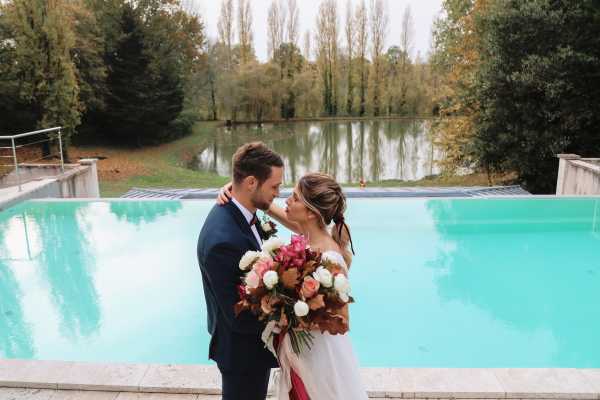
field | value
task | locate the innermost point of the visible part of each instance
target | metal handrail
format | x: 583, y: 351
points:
x: 26, y: 134
x: 20, y: 135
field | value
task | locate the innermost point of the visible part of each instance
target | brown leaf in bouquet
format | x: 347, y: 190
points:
x: 290, y: 278
x: 309, y: 267
x: 332, y: 323
x: 257, y: 292
x: 334, y: 303
x: 268, y: 302
x: 316, y: 302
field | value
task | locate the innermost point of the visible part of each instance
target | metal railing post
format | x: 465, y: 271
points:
x: 62, y: 162
x: 16, y: 162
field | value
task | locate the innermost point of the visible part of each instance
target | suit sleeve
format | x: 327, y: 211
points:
x: 223, y: 274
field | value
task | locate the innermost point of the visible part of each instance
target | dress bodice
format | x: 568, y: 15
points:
x: 335, y: 257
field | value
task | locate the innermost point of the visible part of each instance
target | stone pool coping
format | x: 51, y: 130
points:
x: 457, y: 383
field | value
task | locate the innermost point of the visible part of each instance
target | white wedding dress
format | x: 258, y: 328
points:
x: 329, y: 370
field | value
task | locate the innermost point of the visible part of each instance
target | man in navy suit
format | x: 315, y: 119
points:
x: 228, y: 232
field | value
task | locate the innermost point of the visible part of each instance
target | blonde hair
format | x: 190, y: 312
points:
x: 324, y: 197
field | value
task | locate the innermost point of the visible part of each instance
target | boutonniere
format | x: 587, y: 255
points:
x: 268, y: 228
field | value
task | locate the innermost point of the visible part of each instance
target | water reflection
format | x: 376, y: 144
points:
x: 137, y: 212
x: 15, y: 333
x: 373, y: 150
x: 68, y: 266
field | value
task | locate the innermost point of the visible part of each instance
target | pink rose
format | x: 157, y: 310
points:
x: 252, y: 280
x: 262, y: 266
x: 310, y: 287
x: 299, y: 243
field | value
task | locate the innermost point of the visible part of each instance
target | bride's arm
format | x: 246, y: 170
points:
x: 274, y: 210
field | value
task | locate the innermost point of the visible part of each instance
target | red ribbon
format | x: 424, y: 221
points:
x: 298, y: 391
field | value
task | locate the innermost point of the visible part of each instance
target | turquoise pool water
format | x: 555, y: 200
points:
x: 439, y: 283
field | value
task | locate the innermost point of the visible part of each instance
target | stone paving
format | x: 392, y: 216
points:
x: 144, y: 381
x: 48, y: 394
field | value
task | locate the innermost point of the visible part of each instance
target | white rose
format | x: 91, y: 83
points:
x: 266, y: 227
x: 323, y: 275
x: 248, y: 259
x: 265, y: 256
x: 341, y: 284
x: 270, y: 278
x: 344, y: 297
x: 301, y: 308
x: 272, y: 244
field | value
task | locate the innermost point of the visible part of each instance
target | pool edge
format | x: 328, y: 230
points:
x: 430, y: 383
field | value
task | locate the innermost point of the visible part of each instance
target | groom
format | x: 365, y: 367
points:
x: 228, y: 232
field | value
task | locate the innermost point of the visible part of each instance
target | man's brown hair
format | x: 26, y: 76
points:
x: 254, y: 159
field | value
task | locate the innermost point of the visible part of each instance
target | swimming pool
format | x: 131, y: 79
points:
x: 439, y: 283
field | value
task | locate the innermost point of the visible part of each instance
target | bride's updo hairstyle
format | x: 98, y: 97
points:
x: 323, y: 196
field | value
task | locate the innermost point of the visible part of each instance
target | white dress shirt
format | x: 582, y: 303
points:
x: 248, y: 215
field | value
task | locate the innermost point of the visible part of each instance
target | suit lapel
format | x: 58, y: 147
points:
x: 244, y: 225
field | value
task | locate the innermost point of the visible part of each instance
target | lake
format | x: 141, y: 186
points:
x: 374, y: 150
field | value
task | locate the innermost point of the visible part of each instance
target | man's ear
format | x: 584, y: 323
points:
x: 251, y: 182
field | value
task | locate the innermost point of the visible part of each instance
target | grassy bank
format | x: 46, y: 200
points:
x: 165, y: 166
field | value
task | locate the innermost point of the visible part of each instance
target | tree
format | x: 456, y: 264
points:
x: 393, y: 61
x: 327, y: 46
x: 456, y: 59
x: 290, y: 62
x: 257, y: 88
x: 245, y: 31
x: 41, y: 41
x: 362, y: 36
x: 225, y: 28
x: 350, y: 39
x: 406, y: 43
x: 275, y: 27
x: 538, y: 86
x: 292, y: 22
x: 158, y: 48
x: 87, y: 54
x: 379, y: 25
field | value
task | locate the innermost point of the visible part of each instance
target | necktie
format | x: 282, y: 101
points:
x: 254, y: 219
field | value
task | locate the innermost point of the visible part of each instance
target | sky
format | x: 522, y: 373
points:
x: 423, y: 12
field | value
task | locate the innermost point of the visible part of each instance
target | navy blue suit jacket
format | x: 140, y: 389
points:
x: 235, y: 341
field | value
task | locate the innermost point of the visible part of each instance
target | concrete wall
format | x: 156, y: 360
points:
x: 578, y: 176
x: 43, y: 181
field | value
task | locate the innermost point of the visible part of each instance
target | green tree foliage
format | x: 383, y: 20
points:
x: 538, y: 87
x: 290, y: 63
x: 41, y: 83
x: 519, y: 84
x: 156, y: 51
x: 119, y: 68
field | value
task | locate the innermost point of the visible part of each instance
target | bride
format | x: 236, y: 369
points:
x: 329, y: 370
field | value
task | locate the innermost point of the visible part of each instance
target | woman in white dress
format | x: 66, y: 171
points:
x: 330, y: 369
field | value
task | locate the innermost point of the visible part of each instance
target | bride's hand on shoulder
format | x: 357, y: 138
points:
x: 224, y: 194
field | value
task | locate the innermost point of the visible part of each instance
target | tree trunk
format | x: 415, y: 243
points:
x: 213, y: 100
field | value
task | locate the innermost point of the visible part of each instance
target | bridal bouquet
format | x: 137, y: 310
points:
x: 296, y: 289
